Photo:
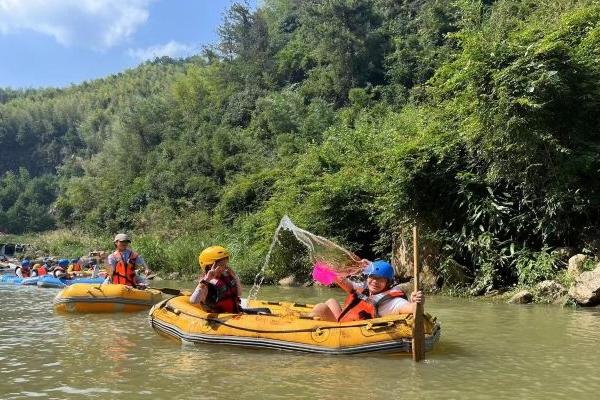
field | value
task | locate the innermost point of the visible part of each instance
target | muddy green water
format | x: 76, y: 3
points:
x: 487, y: 351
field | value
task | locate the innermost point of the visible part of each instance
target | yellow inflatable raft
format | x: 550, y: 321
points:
x: 282, y: 326
x: 94, y: 298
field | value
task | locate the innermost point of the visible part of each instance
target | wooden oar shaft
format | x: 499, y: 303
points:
x: 418, y: 342
x: 171, y: 291
x: 415, y: 258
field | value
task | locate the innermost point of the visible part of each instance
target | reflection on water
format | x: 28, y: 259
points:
x: 487, y: 351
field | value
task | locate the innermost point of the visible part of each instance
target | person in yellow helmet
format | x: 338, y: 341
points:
x: 219, y: 288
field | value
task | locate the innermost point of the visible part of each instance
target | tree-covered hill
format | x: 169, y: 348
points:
x: 476, y: 119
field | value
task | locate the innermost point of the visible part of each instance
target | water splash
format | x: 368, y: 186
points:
x: 320, y: 250
x: 260, y: 277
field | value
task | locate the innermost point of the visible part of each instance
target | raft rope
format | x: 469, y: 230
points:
x: 367, y: 325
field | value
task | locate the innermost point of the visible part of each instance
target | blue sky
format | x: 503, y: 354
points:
x: 56, y: 43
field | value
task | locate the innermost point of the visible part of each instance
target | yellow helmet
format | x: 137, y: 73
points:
x: 212, y: 254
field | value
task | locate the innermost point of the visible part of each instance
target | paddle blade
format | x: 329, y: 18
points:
x: 418, y: 341
x: 323, y: 274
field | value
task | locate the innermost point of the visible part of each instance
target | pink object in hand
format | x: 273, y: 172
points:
x: 322, y: 274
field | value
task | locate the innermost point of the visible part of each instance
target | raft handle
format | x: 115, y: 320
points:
x: 172, y: 309
x: 379, y: 325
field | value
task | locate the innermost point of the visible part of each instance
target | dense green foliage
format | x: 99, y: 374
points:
x: 25, y: 201
x: 479, y: 120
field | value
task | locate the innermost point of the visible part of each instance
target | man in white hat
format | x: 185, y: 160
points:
x: 123, y: 263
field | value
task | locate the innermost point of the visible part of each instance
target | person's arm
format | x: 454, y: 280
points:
x: 201, y: 291
x: 345, y: 284
x: 409, y: 307
x: 19, y: 273
x: 139, y: 262
x: 110, y: 268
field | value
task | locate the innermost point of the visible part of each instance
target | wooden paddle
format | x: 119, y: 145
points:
x: 172, y: 291
x: 418, y: 332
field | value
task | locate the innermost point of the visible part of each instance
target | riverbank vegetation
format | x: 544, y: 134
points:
x: 477, y: 120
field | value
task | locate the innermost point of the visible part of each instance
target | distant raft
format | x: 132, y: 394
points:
x: 49, y: 281
x: 11, y: 280
x: 281, y: 326
x: 90, y: 298
x: 15, y: 280
x: 31, y: 281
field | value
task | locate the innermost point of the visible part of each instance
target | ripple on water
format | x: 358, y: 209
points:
x: 34, y: 394
x: 84, y: 391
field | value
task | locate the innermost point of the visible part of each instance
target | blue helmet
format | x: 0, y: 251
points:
x: 63, y: 262
x: 25, y: 263
x: 380, y: 269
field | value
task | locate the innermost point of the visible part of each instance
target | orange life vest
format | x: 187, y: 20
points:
x: 76, y: 267
x: 124, y: 271
x: 41, y: 271
x: 359, y: 306
x: 223, y: 296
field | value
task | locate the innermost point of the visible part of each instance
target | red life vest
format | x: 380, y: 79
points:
x: 41, y: 271
x: 26, y: 273
x: 359, y: 306
x: 124, y: 271
x: 223, y: 296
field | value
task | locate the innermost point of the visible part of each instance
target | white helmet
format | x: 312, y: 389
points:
x: 122, y: 237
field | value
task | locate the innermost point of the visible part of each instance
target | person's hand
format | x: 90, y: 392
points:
x: 417, y: 297
x: 364, y: 263
x: 214, y: 272
x: 209, y: 275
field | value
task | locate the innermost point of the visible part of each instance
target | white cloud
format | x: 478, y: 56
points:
x: 172, y: 49
x: 98, y: 24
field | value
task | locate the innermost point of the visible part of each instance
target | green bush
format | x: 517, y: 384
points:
x: 534, y: 267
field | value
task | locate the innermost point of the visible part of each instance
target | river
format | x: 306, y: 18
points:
x: 488, y: 350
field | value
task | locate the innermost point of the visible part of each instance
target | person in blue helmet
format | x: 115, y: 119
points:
x: 60, y: 271
x: 374, y: 298
x: 24, y: 271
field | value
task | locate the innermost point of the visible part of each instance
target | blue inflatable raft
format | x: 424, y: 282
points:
x: 48, y: 281
x: 15, y: 280
x: 30, y: 281
x: 10, y: 280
